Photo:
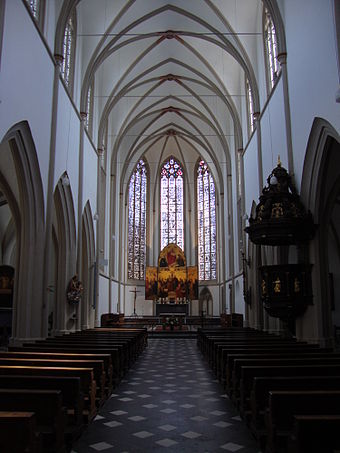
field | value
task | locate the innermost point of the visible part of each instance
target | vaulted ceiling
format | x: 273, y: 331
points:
x: 170, y: 74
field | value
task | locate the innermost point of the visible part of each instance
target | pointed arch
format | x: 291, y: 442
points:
x: 137, y: 207
x: 21, y: 183
x: 206, y: 222
x: 172, y: 203
x: 65, y: 232
x: 87, y: 275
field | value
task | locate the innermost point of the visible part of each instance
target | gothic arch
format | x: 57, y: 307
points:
x: 87, y: 274
x: 205, y: 302
x: 319, y: 190
x: 21, y: 183
x: 65, y: 231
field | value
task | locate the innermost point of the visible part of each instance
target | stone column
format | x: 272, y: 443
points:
x: 282, y: 58
x: 49, y: 196
x: 259, y: 150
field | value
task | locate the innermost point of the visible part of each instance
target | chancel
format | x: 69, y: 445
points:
x: 169, y: 207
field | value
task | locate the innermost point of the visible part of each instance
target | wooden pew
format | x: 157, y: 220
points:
x: 48, y: 408
x: 116, y: 349
x: 315, y: 434
x: 235, y: 363
x: 87, y: 382
x: 117, y: 361
x: 284, y: 405
x: 259, y: 398
x: 105, y: 358
x: 239, y: 365
x: 95, y: 365
x: 248, y: 374
x: 224, y: 351
x: 70, y: 388
x: 12, y: 423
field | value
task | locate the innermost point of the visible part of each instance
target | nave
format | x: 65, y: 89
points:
x: 169, y: 401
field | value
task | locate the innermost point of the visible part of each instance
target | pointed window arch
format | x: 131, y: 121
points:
x: 137, y: 222
x: 37, y: 9
x: 172, y: 204
x: 69, y: 44
x: 206, y: 213
x: 250, y: 107
x: 271, y: 49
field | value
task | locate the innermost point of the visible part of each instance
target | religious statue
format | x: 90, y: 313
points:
x: 264, y: 287
x: 74, y: 290
x: 277, y: 285
x: 296, y: 285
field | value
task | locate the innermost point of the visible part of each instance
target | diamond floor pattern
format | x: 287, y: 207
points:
x: 178, y: 407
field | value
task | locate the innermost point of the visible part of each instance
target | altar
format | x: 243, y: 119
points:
x: 172, y: 309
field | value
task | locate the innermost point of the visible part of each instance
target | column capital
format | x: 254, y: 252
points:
x: 83, y: 116
x: 100, y: 151
x: 282, y: 58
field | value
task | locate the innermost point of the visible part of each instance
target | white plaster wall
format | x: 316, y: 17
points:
x: 24, y: 78
x: 67, y: 143
x: 312, y: 70
x: 239, y: 300
x: 273, y: 133
x: 103, y: 290
x: 251, y: 174
x: 90, y: 175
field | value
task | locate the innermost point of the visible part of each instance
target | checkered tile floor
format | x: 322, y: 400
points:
x: 169, y: 402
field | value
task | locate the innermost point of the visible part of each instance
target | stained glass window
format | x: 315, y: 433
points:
x: 172, y: 226
x: 206, y: 212
x: 34, y: 6
x: 89, y: 109
x: 137, y: 222
x: 68, y: 50
x: 250, y: 106
x: 271, y: 48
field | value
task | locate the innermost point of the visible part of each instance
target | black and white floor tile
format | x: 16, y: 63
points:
x: 168, y: 402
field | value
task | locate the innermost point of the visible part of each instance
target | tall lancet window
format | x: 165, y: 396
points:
x: 137, y: 222
x: 37, y: 9
x: 69, y: 51
x: 172, y: 226
x: 250, y: 107
x: 206, y: 211
x: 271, y: 48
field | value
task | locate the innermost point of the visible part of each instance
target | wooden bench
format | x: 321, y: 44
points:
x: 259, y: 397
x: 248, y: 373
x: 240, y: 365
x: 12, y: 423
x: 224, y: 351
x: 117, y: 361
x: 73, y: 398
x: 95, y: 365
x: 235, y: 364
x: 284, y: 405
x: 87, y: 382
x: 48, y: 408
x: 315, y: 434
x: 105, y: 358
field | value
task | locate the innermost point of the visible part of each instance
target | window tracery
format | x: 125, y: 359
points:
x: 68, y: 51
x: 172, y: 226
x: 206, y: 211
x: 137, y: 222
x: 271, y: 48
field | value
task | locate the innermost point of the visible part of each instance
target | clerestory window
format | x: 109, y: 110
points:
x: 137, y: 222
x: 271, y: 49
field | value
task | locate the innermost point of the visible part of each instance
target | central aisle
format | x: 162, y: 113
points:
x: 169, y: 402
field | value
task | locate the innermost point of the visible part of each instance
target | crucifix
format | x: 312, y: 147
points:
x: 134, y: 300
